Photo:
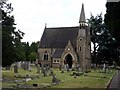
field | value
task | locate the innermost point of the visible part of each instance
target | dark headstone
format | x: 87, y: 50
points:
x: 54, y: 79
x: 75, y: 77
x: 51, y: 72
x: 62, y: 71
x: 60, y: 67
x: 7, y: 67
x: 15, y: 69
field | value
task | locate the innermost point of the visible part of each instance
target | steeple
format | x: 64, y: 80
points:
x: 82, y: 15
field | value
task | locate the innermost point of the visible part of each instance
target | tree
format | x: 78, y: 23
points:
x: 96, y: 29
x: 33, y: 51
x: 34, y: 47
x: 112, y: 21
x: 27, y: 50
x: 10, y: 37
x: 104, y: 43
x: 33, y: 56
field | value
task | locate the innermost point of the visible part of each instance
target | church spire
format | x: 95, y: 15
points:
x: 82, y: 15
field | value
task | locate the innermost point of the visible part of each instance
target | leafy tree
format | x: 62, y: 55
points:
x: 112, y: 21
x: 104, y: 43
x: 20, y: 52
x: 96, y: 29
x: 10, y: 37
x: 34, y: 47
x: 27, y: 50
x: 33, y: 51
x: 33, y: 56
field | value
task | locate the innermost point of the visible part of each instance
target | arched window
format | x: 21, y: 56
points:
x: 45, y: 55
x: 80, y: 48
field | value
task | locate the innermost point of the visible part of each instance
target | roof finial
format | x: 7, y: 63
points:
x: 82, y: 15
x: 45, y: 25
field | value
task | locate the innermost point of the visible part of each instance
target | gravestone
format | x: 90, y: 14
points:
x: 51, y: 72
x: 62, y: 71
x: 38, y: 68
x: 15, y: 68
x: 65, y: 67
x: 47, y: 68
x: 19, y: 64
x: 42, y: 68
x: 80, y: 70
x: 104, y: 67
x: 54, y: 79
x: 29, y: 66
x: 12, y: 66
x: 44, y: 72
x: 22, y: 65
x: 77, y: 68
x: 26, y: 65
x: 60, y: 67
x: 68, y: 69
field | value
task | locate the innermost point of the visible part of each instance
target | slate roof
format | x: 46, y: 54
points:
x: 58, y: 53
x: 59, y: 37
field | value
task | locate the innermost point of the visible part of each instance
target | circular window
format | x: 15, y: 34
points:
x: 80, y: 39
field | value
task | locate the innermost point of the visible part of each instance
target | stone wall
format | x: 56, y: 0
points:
x: 56, y: 62
x: 41, y: 52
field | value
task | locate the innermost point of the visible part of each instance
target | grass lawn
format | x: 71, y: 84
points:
x: 93, y: 79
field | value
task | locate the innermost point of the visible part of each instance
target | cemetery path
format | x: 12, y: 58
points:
x: 115, y: 83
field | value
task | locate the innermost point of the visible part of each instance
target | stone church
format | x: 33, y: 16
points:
x: 66, y: 45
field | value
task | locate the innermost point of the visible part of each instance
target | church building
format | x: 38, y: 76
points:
x: 66, y: 45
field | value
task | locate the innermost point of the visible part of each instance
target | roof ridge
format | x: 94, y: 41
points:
x: 61, y: 27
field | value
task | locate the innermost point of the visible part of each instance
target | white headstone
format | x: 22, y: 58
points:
x: 104, y: 66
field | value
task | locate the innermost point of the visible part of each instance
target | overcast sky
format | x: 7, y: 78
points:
x: 31, y: 15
